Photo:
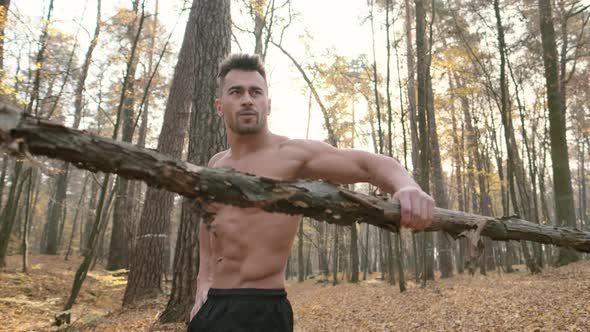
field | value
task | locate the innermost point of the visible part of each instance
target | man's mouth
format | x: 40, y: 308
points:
x: 247, y: 113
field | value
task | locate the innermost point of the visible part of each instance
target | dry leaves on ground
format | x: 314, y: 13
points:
x: 556, y: 300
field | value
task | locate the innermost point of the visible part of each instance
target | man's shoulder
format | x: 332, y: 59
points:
x: 216, y: 157
x: 302, y: 144
x: 303, y: 149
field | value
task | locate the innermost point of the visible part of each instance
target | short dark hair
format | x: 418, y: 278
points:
x: 240, y: 61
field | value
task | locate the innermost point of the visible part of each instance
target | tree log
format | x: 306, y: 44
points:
x: 22, y: 134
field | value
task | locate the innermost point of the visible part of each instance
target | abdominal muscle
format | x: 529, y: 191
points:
x: 249, y: 247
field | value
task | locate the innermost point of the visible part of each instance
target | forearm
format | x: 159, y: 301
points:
x: 388, y: 174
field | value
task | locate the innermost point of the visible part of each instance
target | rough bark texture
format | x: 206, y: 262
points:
x: 206, y: 138
x: 148, y: 260
x: 562, y: 183
x: 314, y: 199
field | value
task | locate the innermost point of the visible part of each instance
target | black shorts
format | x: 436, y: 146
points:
x: 244, y: 309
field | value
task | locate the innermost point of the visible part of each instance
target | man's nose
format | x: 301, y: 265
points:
x: 246, y: 99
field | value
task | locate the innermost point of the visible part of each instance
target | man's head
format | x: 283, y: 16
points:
x: 243, y: 93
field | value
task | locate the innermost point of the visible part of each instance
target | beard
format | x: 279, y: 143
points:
x: 251, y: 128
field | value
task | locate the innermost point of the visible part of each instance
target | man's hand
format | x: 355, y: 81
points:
x: 416, y: 207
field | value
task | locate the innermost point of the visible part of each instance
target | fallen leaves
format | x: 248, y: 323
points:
x: 555, y: 300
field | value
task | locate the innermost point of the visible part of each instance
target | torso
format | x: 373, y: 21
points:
x: 249, y: 247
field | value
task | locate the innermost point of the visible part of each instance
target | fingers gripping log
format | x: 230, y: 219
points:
x: 21, y: 134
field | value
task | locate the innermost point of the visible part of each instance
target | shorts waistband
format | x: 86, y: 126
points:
x: 253, y: 292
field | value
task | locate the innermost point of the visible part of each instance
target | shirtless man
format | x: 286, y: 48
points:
x: 243, y: 251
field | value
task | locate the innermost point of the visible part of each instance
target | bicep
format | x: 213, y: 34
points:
x: 337, y: 165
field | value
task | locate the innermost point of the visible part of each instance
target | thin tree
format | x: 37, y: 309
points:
x: 423, y: 168
x: 118, y: 255
x: 411, y: 86
x: 34, y: 97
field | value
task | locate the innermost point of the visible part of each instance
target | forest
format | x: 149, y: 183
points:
x: 107, y: 124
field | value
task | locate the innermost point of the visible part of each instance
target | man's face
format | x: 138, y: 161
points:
x: 244, y: 102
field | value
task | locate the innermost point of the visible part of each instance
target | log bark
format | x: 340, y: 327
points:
x: 23, y: 134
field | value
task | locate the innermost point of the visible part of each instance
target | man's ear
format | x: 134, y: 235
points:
x: 218, y: 107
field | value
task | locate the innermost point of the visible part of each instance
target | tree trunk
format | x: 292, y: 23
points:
x: 422, y: 170
x: 148, y: 261
x: 206, y: 137
x: 335, y: 256
x: 392, y: 248
x: 459, y: 162
x: 5, y: 162
x: 300, y: 266
x: 562, y: 186
x: 75, y: 221
x: 28, y: 213
x: 367, y: 264
x: 582, y: 187
x: 82, y: 271
x: 439, y: 194
x: 411, y: 86
x: 390, y: 259
x: 90, y: 215
x: 119, y: 244
x: 514, y: 164
x: 55, y: 211
x: 257, y: 9
x: 308, y: 265
x: 354, y: 254
x: 8, y: 215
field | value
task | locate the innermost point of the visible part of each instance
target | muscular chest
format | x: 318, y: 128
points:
x: 269, y: 164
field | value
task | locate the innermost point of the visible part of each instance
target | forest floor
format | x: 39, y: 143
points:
x: 556, y: 300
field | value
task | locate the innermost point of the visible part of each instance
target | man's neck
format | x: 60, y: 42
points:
x: 241, y: 145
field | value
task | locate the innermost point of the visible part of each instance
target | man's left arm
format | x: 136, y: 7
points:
x: 323, y: 161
